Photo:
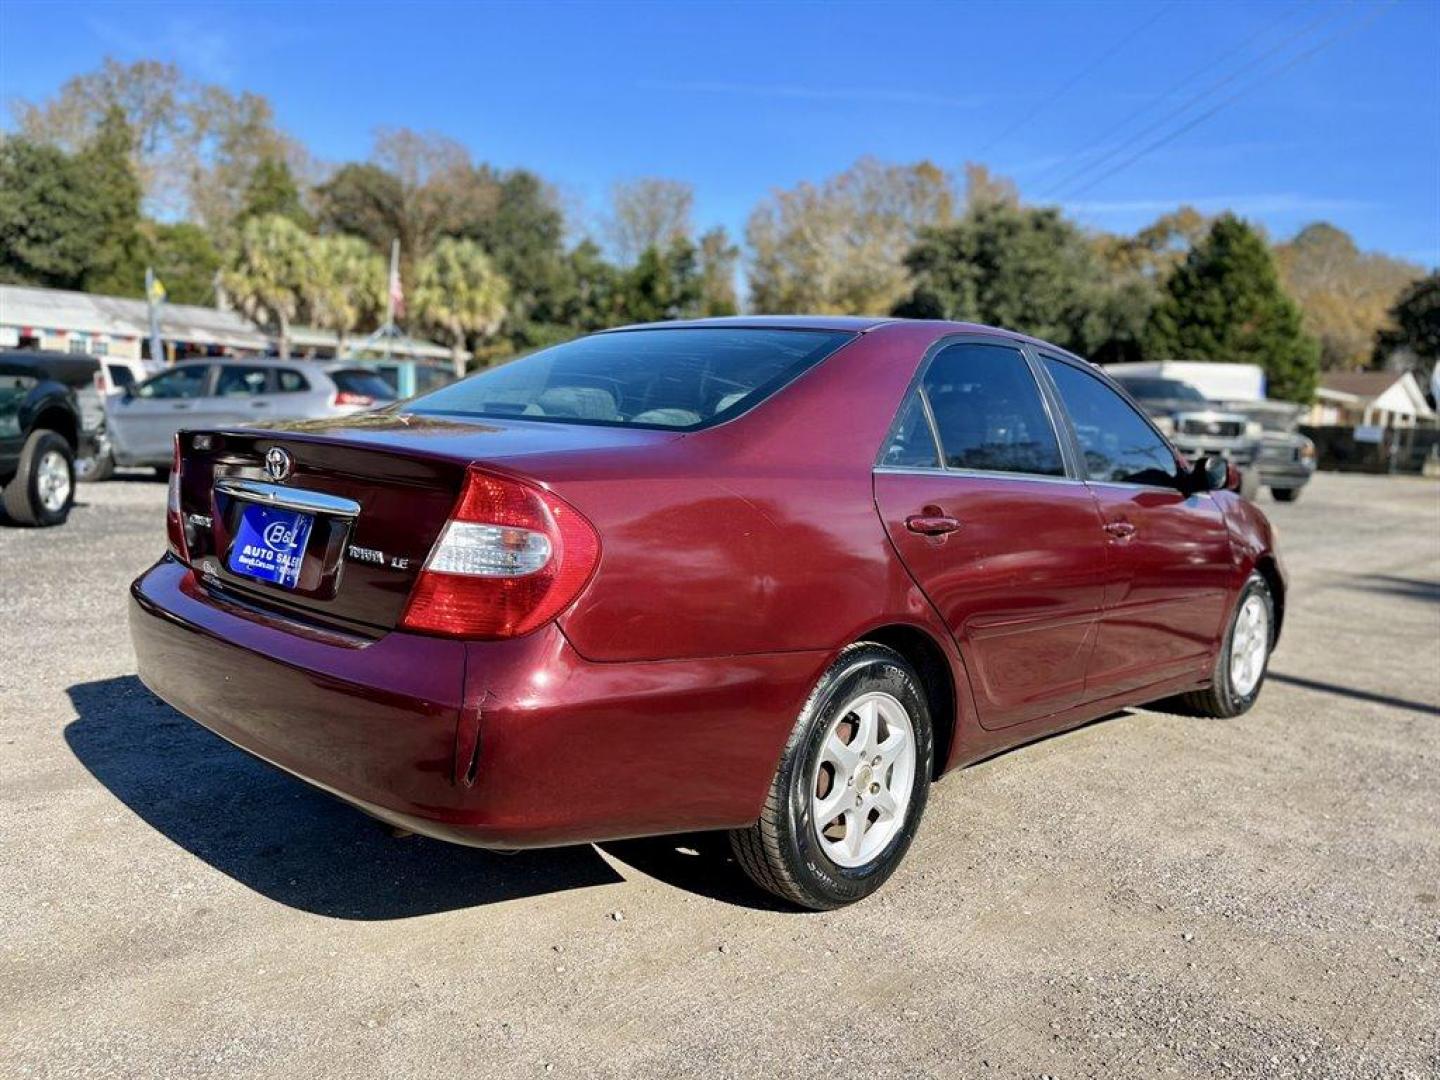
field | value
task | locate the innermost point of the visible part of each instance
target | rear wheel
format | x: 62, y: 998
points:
x: 1285, y: 494
x: 1244, y: 657
x: 851, y: 786
x: 43, y: 489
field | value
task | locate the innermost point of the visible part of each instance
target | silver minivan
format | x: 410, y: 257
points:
x: 142, y: 420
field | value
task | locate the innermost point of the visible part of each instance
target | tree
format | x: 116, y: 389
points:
x: 193, y: 145
x: 649, y: 213
x: 838, y: 246
x: 116, y: 263
x: 662, y: 284
x: 270, y: 272
x: 184, y: 260
x: 718, y: 258
x: 70, y: 221
x: 49, y: 223
x: 1022, y: 268
x: 1416, y: 331
x: 459, y: 292
x: 272, y: 189
x: 347, y: 289
x: 1225, y: 303
x: 1344, y: 294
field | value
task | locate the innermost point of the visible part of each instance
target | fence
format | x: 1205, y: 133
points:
x: 1401, y: 450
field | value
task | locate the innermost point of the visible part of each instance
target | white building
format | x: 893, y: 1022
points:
x: 1379, y: 399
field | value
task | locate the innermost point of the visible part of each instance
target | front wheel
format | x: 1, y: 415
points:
x: 43, y: 488
x: 1244, y: 657
x: 94, y: 468
x: 851, y: 786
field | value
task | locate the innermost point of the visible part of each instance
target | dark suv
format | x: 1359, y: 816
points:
x: 40, y: 433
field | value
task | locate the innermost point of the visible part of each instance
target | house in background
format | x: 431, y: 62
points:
x: 1370, y: 399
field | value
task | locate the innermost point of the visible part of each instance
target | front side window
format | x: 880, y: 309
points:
x: 989, y: 413
x: 682, y: 379
x: 237, y: 381
x: 182, y: 382
x: 1118, y: 445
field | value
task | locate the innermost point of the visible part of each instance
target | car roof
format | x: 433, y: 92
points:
x: 254, y: 361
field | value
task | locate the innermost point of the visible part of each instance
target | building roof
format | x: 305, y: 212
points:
x: 402, y: 346
x: 59, y: 309
x: 1359, y: 384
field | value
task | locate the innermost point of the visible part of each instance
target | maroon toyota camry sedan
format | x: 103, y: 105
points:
x: 766, y: 575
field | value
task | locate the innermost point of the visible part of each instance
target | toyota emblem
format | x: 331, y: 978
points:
x: 278, y: 463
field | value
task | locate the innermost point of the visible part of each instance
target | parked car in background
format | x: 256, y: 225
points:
x: 772, y: 576
x: 1287, y: 458
x: 1198, y: 427
x: 41, y: 430
x: 141, y: 421
x: 113, y: 374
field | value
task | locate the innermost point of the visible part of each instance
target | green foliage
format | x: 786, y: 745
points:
x: 1225, y: 303
x: 184, y: 260
x: 460, y: 293
x: 1416, y: 315
x: 270, y: 273
x: 1018, y: 267
x: 70, y: 220
x: 347, y: 289
x: 272, y: 190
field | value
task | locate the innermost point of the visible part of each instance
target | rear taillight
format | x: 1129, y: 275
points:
x: 174, y: 526
x: 511, y: 558
x: 346, y: 397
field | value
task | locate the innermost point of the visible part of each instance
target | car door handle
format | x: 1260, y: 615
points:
x: 927, y: 525
x: 180, y: 406
x: 1122, y: 529
x: 259, y: 404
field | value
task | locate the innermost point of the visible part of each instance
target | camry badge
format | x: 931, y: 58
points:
x: 278, y: 463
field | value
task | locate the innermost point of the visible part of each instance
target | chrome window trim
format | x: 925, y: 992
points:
x: 978, y: 474
x: 314, y: 502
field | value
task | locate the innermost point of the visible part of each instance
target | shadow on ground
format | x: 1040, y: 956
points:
x: 282, y: 838
x: 307, y: 850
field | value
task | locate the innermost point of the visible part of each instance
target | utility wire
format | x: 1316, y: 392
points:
x: 1072, y: 82
x: 1194, y: 99
x: 1098, y: 144
x: 1354, y: 27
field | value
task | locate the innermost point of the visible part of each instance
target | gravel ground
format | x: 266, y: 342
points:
x: 1147, y: 896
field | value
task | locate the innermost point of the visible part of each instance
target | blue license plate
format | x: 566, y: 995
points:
x: 270, y: 544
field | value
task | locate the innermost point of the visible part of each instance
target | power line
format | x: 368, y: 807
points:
x: 1209, y: 65
x: 1197, y: 121
x: 1073, y: 81
x: 1194, y: 99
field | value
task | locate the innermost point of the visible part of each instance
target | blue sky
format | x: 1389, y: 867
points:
x: 1320, y: 111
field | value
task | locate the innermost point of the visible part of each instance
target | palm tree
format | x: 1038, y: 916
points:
x: 270, y: 272
x: 348, y: 286
x: 459, y: 291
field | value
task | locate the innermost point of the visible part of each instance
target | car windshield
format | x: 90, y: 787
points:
x: 1162, y: 390
x: 678, y: 378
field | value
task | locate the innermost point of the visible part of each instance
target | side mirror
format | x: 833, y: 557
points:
x: 127, y: 391
x: 1212, y: 473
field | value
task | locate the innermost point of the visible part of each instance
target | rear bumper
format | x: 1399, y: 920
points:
x: 496, y: 744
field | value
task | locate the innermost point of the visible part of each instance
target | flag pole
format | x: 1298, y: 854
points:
x: 153, y: 295
x: 391, y: 293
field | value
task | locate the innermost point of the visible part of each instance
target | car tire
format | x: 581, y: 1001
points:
x: 95, y: 468
x: 1251, y: 630
x: 43, y: 488
x: 869, y: 693
x: 1285, y: 494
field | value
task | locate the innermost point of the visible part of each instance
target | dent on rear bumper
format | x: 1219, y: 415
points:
x: 563, y: 749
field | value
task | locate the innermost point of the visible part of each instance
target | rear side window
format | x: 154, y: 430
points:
x: 989, y: 413
x: 237, y: 381
x: 290, y: 381
x: 683, y: 379
x: 912, y: 443
x: 363, y: 383
x: 1118, y: 445
x: 120, y: 375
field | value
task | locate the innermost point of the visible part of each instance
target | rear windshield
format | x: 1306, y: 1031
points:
x: 683, y: 379
x: 368, y: 383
